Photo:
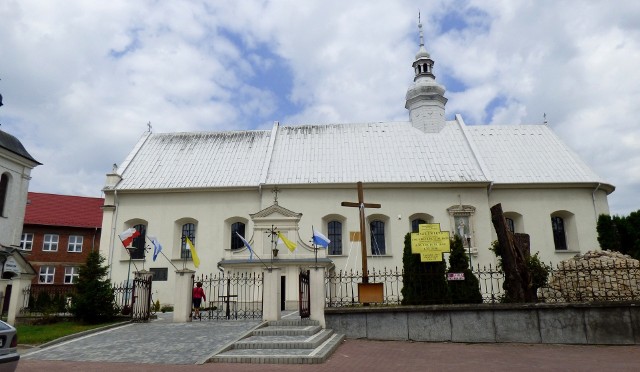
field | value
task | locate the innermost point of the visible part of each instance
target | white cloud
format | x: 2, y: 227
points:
x: 81, y: 81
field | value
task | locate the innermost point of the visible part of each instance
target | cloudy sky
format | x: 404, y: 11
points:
x: 81, y: 79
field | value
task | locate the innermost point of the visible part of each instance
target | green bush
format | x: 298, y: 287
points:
x: 93, y: 301
x: 465, y: 291
x: 424, y: 283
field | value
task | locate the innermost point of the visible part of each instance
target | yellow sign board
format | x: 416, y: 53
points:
x: 429, y: 242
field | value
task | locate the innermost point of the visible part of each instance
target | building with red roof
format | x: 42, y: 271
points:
x: 58, y: 233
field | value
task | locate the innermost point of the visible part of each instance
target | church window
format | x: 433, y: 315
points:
x: 138, y: 244
x: 416, y: 223
x: 378, y: 246
x: 335, y: 235
x: 4, y: 185
x: 559, y: 234
x: 188, y: 231
x: 510, y: 224
x: 237, y: 228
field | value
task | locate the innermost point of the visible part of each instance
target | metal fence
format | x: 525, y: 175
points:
x: 566, y: 283
x: 232, y: 295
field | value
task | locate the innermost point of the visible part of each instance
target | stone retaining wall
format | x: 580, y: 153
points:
x: 613, y: 324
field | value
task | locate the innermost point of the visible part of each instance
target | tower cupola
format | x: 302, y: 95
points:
x: 425, y: 98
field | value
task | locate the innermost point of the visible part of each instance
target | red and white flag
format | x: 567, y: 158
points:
x: 128, y: 235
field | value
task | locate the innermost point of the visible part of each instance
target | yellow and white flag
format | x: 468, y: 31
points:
x: 291, y: 245
x: 194, y: 254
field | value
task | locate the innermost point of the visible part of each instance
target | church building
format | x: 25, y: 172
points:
x: 212, y: 187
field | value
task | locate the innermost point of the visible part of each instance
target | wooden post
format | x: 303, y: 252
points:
x: 363, y: 240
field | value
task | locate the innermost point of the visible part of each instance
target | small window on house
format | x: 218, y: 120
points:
x: 50, y: 243
x: 416, y: 223
x: 559, y: 233
x: 335, y: 236
x: 46, y: 274
x: 239, y: 228
x: 71, y: 274
x: 4, y: 186
x: 188, y: 231
x: 378, y: 246
x: 26, y: 241
x: 75, y: 243
x: 138, y: 245
x: 159, y: 274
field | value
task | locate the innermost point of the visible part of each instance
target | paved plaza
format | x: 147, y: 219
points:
x: 165, y: 346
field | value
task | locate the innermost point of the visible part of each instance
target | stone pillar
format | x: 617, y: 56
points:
x: 18, y: 284
x: 316, y: 292
x: 182, y: 296
x: 272, y: 294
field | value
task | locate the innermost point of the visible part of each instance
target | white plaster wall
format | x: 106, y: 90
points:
x: 212, y: 208
x: 16, y: 201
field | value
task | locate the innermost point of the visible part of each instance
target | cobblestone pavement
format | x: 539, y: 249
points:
x: 160, y: 342
x: 162, y: 346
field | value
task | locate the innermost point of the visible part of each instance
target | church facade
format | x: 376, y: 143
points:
x: 213, y: 186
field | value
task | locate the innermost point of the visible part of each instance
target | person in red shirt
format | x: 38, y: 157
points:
x: 198, y: 296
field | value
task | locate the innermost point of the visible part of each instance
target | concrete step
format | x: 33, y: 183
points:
x: 287, y: 330
x: 315, y: 355
x: 284, y: 342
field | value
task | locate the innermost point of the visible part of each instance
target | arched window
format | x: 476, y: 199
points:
x: 416, y: 223
x: 239, y: 228
x: 188, y: 230
x: 510, y: 224
x: 139, y: 242
x: 559, y: 233
x: 4, y: 185
x: 378, y: 246
x: 335, y: 235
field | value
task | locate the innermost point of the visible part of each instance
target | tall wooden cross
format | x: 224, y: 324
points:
x: 363, y: 241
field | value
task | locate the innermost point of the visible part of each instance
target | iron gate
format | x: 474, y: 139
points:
x: 231, y: 295
x: 141, y: 300
x: 305, y: 295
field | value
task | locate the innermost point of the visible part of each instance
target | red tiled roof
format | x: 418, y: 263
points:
x: 63, y: 210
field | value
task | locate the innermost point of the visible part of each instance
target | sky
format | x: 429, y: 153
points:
x: 81, y: 80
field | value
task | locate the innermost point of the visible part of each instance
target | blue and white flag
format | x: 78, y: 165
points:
x: 246, y: 243
x: 319, y: 239
x: 157, y: 247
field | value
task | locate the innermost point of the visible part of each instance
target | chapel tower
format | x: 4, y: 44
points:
x: 425, y: 97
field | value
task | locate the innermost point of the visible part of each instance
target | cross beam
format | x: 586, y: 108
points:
x: 363, y: 240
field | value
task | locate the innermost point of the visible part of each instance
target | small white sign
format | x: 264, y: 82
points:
x: 11, y: 265
x: 455, y: 276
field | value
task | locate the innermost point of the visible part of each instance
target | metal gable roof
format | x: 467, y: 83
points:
x: 528, y: 154
x: 388, y: 152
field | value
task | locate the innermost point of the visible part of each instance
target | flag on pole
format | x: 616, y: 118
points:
x: 246, y: 243
x: 291, y: 245
x: 320, y: 239
x: 194, y: 254
x: 127, y: 236
x: 157, y: 247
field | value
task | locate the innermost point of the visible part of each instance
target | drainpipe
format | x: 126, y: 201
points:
x: 114, y: 219
x: 593, y: 198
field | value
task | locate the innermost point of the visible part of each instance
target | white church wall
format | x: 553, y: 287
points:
x: 16, y: 198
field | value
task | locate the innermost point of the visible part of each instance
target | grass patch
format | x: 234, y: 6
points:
x: 31, y: 334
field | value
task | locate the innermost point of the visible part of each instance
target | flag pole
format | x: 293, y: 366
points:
x: 161, y: 252
x: 315, y: 247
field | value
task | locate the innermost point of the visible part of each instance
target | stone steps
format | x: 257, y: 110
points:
x: 283, y: 342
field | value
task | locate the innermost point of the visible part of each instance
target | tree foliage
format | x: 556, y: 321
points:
x: 94, y: 298
x: 620, y: 233
x: 424, y: 283
x: 465, y: 291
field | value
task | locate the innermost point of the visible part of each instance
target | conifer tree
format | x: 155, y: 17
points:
x: 94, y: 298
x: 424, y: 283
x: 465, y: 291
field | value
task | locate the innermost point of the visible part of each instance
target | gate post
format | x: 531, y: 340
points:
x: 182, y: 295
x: 271, y: 294
x: 316, y: 289
x: 18, y: 284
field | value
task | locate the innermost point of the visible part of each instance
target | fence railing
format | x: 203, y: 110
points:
x: 566, y: 283
x: 232, y: 295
